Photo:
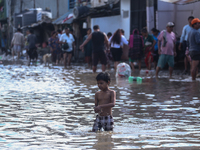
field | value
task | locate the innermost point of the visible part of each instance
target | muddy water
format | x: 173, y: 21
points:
x: 42, y: 108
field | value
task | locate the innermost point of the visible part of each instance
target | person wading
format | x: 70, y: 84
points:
x: 149, y: 44
x: 17, y: 43
x: 167, y: 50
x: 69, y: 39
x: 183, y: 41
x: 117, y: 41
x: 194, y: 46
x: 98, y: 39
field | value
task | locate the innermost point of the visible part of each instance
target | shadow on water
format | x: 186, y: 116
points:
x: 42, y: 108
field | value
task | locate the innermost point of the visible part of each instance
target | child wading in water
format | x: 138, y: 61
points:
x: 104, y: 101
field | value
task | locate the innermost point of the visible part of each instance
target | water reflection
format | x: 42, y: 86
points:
x: 104, y: 141
x: 42, y: 108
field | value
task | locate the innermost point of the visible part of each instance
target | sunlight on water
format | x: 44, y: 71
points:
x: 42, y: 108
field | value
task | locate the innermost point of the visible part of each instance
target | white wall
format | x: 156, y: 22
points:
x: 176, y: 13
x: 112, y: 23
x: 107, y: 24
x: 126, y: 22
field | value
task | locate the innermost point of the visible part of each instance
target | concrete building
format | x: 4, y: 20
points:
x: 8, y: 9
x: 132, y: 14
x: 57, y: 7
x: 145, y: 13
x: 176, y: 13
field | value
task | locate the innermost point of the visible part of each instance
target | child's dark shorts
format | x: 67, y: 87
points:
x: 106, y: 122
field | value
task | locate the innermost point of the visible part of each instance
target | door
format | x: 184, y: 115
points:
x: 138, y: 14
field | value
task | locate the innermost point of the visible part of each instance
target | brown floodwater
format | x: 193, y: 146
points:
x: 42, y: 108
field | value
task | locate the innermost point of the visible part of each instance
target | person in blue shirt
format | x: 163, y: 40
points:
x: 183, y: 41
x: 155, y: 34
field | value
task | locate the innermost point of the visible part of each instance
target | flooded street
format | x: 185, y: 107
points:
x: 42, y: 108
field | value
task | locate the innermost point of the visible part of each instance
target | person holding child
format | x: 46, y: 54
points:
x: 149, y: 44
x: 104, y: 102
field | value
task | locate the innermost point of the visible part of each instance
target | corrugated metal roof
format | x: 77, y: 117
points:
x: 180, y: 1
x: 62, y: 18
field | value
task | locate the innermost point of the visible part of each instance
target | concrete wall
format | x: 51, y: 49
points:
x: 112, y: 23
x: 176, y: 13
x: 126, y: 22
x: 107, y: 24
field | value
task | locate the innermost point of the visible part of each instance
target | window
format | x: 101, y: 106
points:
x: 72, y: 4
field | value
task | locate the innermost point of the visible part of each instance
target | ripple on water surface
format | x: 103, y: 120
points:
x: 42, y: 108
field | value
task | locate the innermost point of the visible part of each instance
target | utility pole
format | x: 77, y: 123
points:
x: 33, y: 3
x: 57, y: 8
x: 21, y: 3
x: 150, y: 14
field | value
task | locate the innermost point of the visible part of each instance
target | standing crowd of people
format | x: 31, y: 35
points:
x: 158, y: 48
x: 61, y: 44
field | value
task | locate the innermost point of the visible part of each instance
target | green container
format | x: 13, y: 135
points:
x: 130, y: 79
x: 139, y: 80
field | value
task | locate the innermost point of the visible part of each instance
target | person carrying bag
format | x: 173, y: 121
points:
x: 65, y: 46
x: 67, y: 41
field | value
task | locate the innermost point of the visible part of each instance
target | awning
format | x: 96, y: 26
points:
x: 48, y: 21
x: 67, y: 18
x: 180, y: 1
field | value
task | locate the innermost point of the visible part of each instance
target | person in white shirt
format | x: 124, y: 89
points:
x: 59, y: 32
x: 67, y: 38
x: 117, y: 41
x: 123, y: 33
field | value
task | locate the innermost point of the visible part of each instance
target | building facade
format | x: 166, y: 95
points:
x: 144, y: 13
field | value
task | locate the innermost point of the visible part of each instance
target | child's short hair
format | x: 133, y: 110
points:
x: 103, y: 76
